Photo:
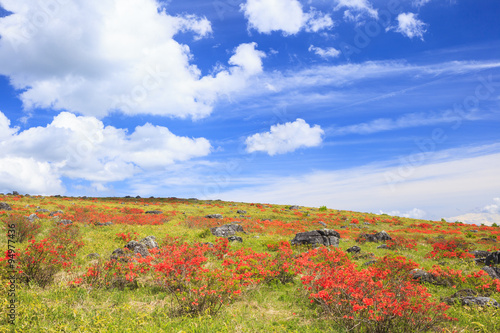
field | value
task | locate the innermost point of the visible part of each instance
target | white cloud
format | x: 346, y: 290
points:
x: 5, y: 129
x: 329, y: 52
x: 438, y: 183
x: 410, y: 26
x: 487, y: 215
x: 420, y: 3
x: 287, y: 16
x: 83, y: 148
x: 357, y: 9
x: 97, y: 56
x: 415, y: 213
x: 284, y: 138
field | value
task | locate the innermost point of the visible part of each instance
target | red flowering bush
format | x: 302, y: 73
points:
x: 24, y: 228
x: 401, y: 243
x: 457, y: 278
x: 451, y: 248
x: 126, y: 237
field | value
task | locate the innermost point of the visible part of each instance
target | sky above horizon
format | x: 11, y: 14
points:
x: 365, y: 105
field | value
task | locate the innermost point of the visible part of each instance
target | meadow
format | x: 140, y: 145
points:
x: 76, y: 269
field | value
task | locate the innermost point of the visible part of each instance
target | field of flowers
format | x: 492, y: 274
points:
x: 90, y: 265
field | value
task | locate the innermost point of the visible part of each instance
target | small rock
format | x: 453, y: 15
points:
x: 481, y: 301
x: 5, y: 206
x: 154, y: 212
x: 32, y: 217
x: 354, y: 249
x: 42, y: 210
x: 325, y: 237
x: 421, y: 275
x: 65, y: 222
x: 137, y: 247
x: 226, y: 230
x: 149, y: 241
x: 479, y: 253
x: 214, y: 216
x: 383, y: 246
x: 493, y: 258
x: 56, y: 212
x: 322, y: 223
x: 235, y: 239
x: 99, y: 224
x: 378, y: 237
x: 493, y: 272
x: 294, y: 207
x: 240, y: 211
x: 93, y: 255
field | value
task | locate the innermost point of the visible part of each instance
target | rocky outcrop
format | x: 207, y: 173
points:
x: 214, y: 216
x: 154, y: 212
x: 493, y: 258
x: 226, y: 230
x: 325, y: 237
x: 378, y: 237
x: 5, y: 206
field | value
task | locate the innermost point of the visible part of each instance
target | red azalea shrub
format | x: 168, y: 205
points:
x: 25, y: 229
x: 126, y: 237
x: 457, y: 278
x: 450, y: 248
x: 401, y: 243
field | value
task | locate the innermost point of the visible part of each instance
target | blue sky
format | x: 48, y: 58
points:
x: 374, y: 106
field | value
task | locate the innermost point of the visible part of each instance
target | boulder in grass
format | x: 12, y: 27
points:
x: 56, y: 212
x: 235, y: 239
x: 32, y: 217
x: 378, y: 237
x: 137, y: 247
x: 99, y: 224
x: 42, y: 210
x: 422, y: 276
x: 493, y: 272
x: 480, y: 301
x: 154, y: 212
x: 150, y: 242
x: 493, y: 258
x: 65, y: 222
x: 214, y: 216
x: 354, y: 249
x: 5, y: 206
x: 226, y: 230
x: 325, y: 237
x: 240, y: 211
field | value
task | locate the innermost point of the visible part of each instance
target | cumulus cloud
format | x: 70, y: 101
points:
x: 420, y: 3
x: 487, y: 215
x: 98, y: 56
x: 356, y: 9
x: 410, y: 26
x: 415, y: 213
x: 329, y: 52
x: 286, y: 16
x: 285, y: 138
x: 83, y: 148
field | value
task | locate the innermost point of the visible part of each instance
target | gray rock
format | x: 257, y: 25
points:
x: 137, y: 247
x: 214, y: 216
x: 354, y: 249
x: 322, y: 223
x: 383, y: 246
x: 65, y: 222
x: 154, y: 212
x: 294, y: 207
x: 240, y: 211
x: 422, y: 276
x: 5, y: 206
x: 93, y: 255
x: 15, y: 193
x: 493, y: 272
x: 481, y: 301
x: 479, y: 253
x: 149, y: 241
x: 99, y: 224
x: 119, y: 254
x: 42, y: 210
x: 226, y: 230
x: 378, y: 237
x: 493, y: 258
x: 235, y: 239
x: 56, y: 212
x: 325, y: 237
x: 32, y: 217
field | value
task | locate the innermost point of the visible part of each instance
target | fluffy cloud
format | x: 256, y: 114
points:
x: 287, y: 16
x: 284, y: 138
x: 410, y: 26
x: 415, y: 213
x: 487, y: 215
x: 98, y: 56
x: 329, y: 52
x: 356, y: 9
x: 83, y: 148
x: 420, y: 3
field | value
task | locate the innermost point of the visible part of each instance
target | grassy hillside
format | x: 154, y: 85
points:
x: 197, y: 282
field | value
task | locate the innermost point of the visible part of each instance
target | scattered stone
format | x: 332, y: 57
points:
x: 378, y: 237
x: 325, y: 237
x: 5, y: 206
x: 481, y: 301
x: 493, y: 258
x: 56, y: 212
x: 479, y: 253
x: 322, y: 223
x: 154, y: 212
x: 65, y: 222
x: 137, y: 247
x: 226, y: 230
x: 93, y: 255
x: 99, y: 224
x: 369, y: 263
x: 383, y: 246
x: 422, y: 276
x: 42, y: 210
x: 149, y: 241
x: 119, y: 254
x: 32, y: 217
x: 354, y: 249
x: 493, y: 272
x: 240, y: 211
x: 235, y: 239
x: 214, y: 216
x: 489, y: 239
x: 294, y: 207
